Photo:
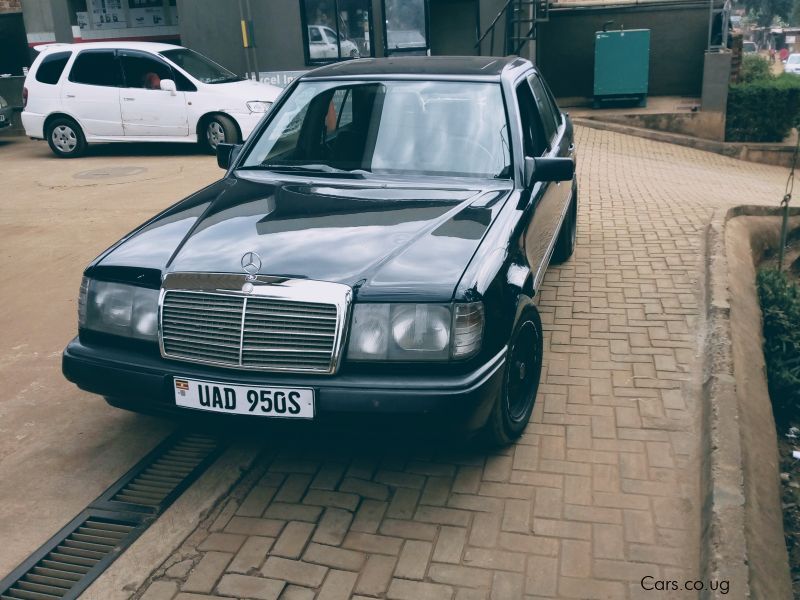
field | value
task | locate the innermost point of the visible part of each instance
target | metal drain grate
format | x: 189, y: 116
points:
x: 66, y: 564
x: 160, y: 479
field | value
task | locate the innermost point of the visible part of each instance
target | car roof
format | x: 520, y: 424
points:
x: 147, y: 46
x: 431, y: 67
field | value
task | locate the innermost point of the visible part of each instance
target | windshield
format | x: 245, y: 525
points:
x: 793, y: 59
x: 200, y: 67
x: 445, y: 128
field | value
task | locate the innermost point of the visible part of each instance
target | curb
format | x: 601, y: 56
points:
x: 723, y: 549
x: 769, y: 154
x: 724, y: 544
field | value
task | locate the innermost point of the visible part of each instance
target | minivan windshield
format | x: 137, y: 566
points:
x: 200, y: 67
x: 440, y: 128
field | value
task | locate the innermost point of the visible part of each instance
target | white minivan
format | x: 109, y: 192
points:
x: 137, y: 92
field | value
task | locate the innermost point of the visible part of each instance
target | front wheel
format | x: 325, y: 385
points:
x: 65, y: 138
x: 513, y: 408
x: 217, y: 130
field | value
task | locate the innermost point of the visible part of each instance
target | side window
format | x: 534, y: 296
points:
x: 96, y: 67
x: 545, y: 109
x: 535, y: 142
x: 51, y: 67
x: 143, y: 71
x: 314, y: 36
x: 182, y: 83
x: 553, y: 103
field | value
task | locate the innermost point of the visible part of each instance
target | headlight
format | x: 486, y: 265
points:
x: 258, y: 106
x: 118, y: 309
x: 415, y: 332
x: 3, y: 102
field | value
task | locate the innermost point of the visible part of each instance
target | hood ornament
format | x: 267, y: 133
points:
x: 251, y: 264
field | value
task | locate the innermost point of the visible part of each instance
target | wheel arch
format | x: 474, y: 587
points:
x: 60, y: 115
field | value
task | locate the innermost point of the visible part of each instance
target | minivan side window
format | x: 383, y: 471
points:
x: 96, y: 67
x: 143, y: 71
x: 51, y: 67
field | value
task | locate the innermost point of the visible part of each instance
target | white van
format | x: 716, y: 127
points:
x: 137, y: 92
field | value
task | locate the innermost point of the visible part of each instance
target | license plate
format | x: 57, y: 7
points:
x: 213, y: 396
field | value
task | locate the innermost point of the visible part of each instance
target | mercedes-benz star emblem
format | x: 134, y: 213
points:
x: 251, y: 263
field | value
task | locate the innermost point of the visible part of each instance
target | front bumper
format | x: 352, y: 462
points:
x: 247, y: 122
x: 144, y: 383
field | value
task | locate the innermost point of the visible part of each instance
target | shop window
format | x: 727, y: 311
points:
x: 336, y: 29
x: 406, y: 26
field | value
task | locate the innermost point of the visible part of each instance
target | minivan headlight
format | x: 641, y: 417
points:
x: 415, y: 332
x: 258, y: 106
x: 118, y: 309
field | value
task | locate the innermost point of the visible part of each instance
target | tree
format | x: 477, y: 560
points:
x: 765, y: 11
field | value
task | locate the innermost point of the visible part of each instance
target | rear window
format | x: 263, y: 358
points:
x: 51, y: 67
x: 96, y: 67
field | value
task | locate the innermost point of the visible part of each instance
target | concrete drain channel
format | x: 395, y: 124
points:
x: 67, y: 563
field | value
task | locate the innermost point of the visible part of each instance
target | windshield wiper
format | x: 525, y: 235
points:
x: 226, y: 79
x: 308, y: 168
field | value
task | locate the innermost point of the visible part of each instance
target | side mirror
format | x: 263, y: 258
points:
x: 168, y: 85
x: 226, y: 154
x: 548, y: 169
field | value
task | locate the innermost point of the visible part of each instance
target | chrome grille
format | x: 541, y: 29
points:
x: 250, y: 331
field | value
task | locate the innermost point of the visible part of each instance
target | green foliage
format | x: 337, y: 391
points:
x: 755, y: 68
x: 763, y: 110
x: 765, y: 11
x: 780, y: 305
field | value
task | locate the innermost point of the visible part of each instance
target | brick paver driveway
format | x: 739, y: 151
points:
x: 601, y: 490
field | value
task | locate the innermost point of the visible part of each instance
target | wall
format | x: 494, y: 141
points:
x: 10, y: 6
x: 679, y: 35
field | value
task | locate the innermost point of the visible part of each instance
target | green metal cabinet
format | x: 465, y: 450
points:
x: 621, y: 65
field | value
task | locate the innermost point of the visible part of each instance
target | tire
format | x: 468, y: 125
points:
x: 217, y: 129
x: 513, y: 408
x: 565, y: 243
x: 65, y: 138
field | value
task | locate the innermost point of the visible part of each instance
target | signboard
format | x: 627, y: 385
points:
x: 146, y: 17
x: 279, y: 78
x: 790, y: 39
x: 107, y: 14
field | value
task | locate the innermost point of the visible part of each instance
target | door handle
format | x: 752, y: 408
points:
x: 70, y: 95
x: 129, y: 99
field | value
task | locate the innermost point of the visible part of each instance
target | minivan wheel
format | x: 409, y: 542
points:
x: 218, y: 130
x: 513, y: 408
x: 65, y: 138
x: 565, y: 243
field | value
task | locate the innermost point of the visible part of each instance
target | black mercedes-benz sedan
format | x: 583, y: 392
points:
x: 376, y: 246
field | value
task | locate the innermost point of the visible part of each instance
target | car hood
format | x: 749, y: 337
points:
x: 389, y: 238
x: 246, y: 90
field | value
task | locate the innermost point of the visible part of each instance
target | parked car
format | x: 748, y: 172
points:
x: 77, y: 94
x: 749, y: 47
x: 6, y: 113
x: 322, y: 44
x: 386, y: 256
x: 792, y: 64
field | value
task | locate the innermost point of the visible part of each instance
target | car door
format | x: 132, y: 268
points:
x: 147, y: 110
x: 331, y: 45
x: 91, y: 93
x: 555, y: 129
x: 545, y: 198
x: 316, y: 43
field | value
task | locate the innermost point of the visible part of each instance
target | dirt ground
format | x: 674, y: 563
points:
x: 61, y: 447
